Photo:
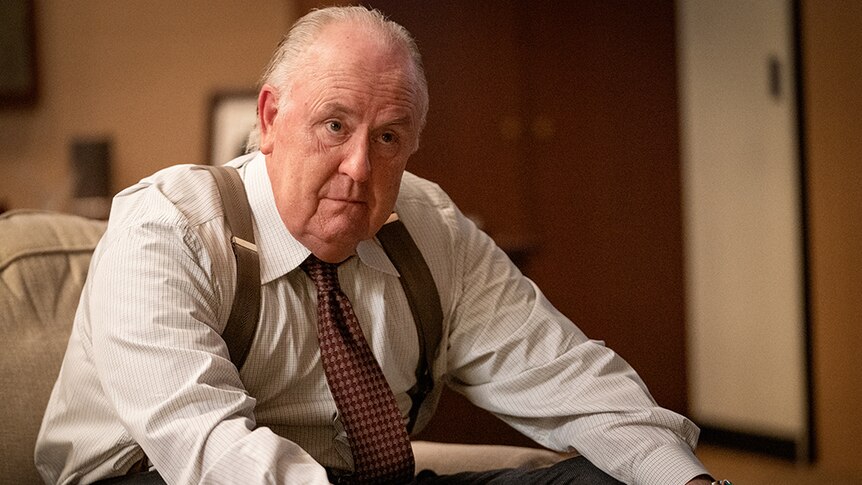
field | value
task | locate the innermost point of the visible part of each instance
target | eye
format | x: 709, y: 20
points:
x: 388, y: 138
x: 334, y: 126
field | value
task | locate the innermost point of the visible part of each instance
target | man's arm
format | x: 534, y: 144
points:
x: 156, y: 312
x: 512, y: 353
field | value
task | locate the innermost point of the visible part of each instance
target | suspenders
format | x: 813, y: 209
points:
x: 245, y: 310
x: 416, y: 280
x: 424, y: 303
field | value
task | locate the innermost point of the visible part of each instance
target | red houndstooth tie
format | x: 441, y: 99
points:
x: 375, y: 427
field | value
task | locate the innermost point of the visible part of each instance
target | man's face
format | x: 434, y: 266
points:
x: 337, y: 140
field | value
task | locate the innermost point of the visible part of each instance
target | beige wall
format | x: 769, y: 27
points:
x: 833, y: 87
x: 139, y: 71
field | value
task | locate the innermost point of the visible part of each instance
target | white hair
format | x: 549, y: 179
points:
x: 288, y: 57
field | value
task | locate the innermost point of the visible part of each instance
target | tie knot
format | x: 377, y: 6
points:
x: 323, y: 274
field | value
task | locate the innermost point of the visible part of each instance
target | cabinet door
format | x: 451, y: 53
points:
x: 603, y: 176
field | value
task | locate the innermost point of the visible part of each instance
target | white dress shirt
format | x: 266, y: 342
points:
x: 146, y: 366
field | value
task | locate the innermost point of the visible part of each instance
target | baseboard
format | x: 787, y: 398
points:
x: 779, y: 447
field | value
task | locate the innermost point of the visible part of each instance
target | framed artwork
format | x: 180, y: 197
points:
x: 231, y: 118
x: 18, y: 83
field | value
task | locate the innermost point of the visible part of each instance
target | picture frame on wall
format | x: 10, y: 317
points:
x: 18, y: 80
x: 231, y: 118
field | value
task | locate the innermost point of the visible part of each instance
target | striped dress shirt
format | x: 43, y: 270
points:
x: 147, y: 370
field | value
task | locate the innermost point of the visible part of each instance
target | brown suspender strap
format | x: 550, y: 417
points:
x: 242, y: 323
x: 416, y: 280
x: 424, y: 303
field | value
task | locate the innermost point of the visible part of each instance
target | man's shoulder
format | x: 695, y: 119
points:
x: 182, y: 194
x: 417, y: 191
x: 427, y: 211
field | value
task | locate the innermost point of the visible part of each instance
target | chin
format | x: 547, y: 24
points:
x: 345, y: 231
x: 346, y: 236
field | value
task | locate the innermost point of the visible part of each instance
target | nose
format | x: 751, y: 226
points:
x: 356, y: 163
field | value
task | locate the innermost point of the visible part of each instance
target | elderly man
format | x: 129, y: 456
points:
x: 147, y: 378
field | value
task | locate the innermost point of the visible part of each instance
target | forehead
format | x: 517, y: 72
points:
x: 353, y: 59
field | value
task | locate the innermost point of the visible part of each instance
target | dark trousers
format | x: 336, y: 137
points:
x: 574, y: 471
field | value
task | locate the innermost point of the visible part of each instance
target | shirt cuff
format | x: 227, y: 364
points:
x: 669, y: 465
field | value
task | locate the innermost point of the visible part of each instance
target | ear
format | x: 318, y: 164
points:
x: 267, y: 110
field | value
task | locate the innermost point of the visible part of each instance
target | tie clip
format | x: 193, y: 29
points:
x: 242, y: 242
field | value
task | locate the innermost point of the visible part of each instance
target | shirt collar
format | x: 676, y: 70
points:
x: 279, y: 252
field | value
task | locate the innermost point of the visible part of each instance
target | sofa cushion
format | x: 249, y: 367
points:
x: 44, y: 258
x: 447, y: 458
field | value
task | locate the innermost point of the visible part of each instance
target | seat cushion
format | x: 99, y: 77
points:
x: 44, y: 258
x: 447, y: 458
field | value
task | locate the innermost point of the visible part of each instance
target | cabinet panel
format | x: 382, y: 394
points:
x: 605, y: 183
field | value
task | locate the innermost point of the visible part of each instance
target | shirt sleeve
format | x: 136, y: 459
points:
x: 512, y: 353
x: 157, y: 311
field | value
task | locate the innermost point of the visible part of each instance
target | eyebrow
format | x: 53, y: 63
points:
x: 403, y: 120
x: 335, y: 107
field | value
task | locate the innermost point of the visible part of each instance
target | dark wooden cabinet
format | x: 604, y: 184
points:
x: 555, y: 125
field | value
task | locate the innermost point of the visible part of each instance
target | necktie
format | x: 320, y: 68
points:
x: 374, y: 425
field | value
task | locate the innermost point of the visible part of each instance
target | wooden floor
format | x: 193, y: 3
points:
x: 752, y: 469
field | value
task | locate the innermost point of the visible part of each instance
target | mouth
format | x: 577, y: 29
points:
x: 346, y: 199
